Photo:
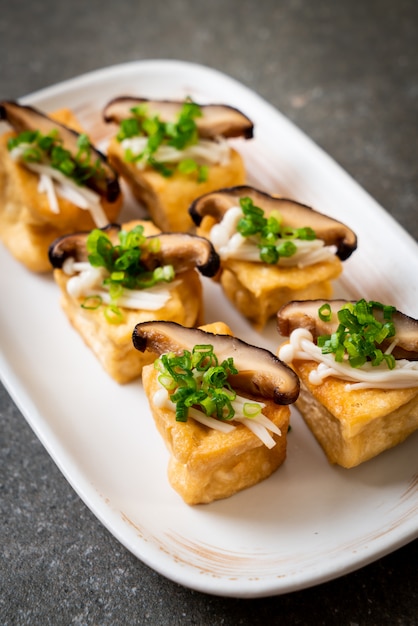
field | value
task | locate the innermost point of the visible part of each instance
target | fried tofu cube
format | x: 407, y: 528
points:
x: 168, y: 199
x: 207, y: 465
x: 27, y: 223
x: 112, y: 343
x: 355, y: 426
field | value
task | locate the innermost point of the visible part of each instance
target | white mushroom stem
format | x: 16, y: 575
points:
x: 53, y: 183
x: 230, y: 244
x: 205, y: 151
x: 302, y: 346
x: 260, y: 425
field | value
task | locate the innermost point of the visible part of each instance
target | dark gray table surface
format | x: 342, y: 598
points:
x: 346, y: 73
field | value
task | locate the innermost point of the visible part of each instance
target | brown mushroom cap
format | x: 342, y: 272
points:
x: 260, y: 373
x: 295, y: 215
x: 182, y: 250
x: 216, y: 120
x: 75, y: 245
x: 23, y: 118
x: 304, y: 314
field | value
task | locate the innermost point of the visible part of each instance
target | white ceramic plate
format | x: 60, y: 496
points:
x: 308, y: 523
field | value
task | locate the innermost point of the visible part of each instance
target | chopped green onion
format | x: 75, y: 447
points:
x: 113, y: 314
x: 179, y: 134
x: 32, y: 155
x: 286, y: 249
x: 251, y: 409
x: 187, y: 166
x: 124, y: 266
x: 92, y: 303
x: 48, y: 149
x: 203, y: 173
x: 359, y: 333
x: 196, y: 379
x: 272, y: 235
x: 269, y: 254
x: 161, y: 168
x: 324, y: 312
x: 204, y: 357
x: 306, y: 233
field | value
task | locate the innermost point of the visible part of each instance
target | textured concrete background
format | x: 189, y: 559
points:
x: 347, y: 74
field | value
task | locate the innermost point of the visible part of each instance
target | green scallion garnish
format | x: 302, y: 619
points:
x: 124, y: 266
x: 91, y: 303
x: 113, y: 314
x: 197, y: 379
x: 179, y: 135
x: 48, y: 150
x: 324, y: 312
x: 359, y: 334
x: 272, y: 236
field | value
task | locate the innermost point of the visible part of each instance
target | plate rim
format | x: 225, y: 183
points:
x: 99, y: 508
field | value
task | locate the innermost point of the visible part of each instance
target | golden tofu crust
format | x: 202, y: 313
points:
x: 258, y: 291
x: 207, y: 465
x: 354, y: 426
x: 27, y: 224
x: 168, y: 199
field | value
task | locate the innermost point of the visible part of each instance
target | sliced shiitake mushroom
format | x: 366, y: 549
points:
x: 182, y: 250
x: 75, y: 245
x: 304, y: 314
x: 260, y: 373
x: 23, y: 118
x: 216, y: 120
x: 295, y: 215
